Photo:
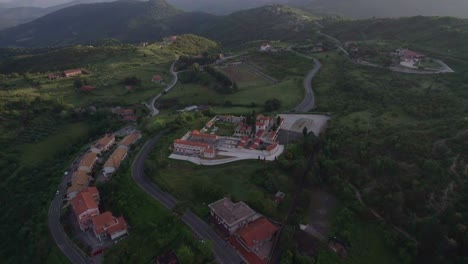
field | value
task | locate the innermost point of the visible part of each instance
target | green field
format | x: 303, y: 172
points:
x: 290, y: 92
x: 244, y: 77
x: 47, y: 149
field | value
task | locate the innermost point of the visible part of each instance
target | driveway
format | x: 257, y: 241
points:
x: 223, y: 252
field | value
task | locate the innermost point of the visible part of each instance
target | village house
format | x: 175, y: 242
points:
x: 229, y: 216
x: 129, y: 140
x: 194, y: 148
x: 197, y: 136
x: 85, y: 205
x: 127, y: 114
x: 168, y: 258
x: 103, y: 144
x: 87, y: 162
x: 80, y: 181
x: 106, y: 225
x: 72, y: 72
x: 114, y: 161
x: 255, y: 240
x: 157, y: 79
x: 265, y: 47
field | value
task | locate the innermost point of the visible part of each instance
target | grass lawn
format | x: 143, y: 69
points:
x: 367, y: 247
x: 280, y: 65
x: 289, y: 92
x: 33, y: 154
x: 244, y: 77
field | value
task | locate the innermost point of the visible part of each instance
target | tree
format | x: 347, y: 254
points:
x: 305, y: 131
x: 272, y: 105
x: 77, y: 83
x: 185, y: 255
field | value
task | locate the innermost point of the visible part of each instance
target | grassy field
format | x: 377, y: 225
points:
x: 244, y: 77
x: 280, y: 65
x: 290, y: 92
x: 47, y: 149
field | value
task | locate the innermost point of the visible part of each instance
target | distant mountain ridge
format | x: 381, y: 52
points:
x: 135, y: 21
x: 14, y: 15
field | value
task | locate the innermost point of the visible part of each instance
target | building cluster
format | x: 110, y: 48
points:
x: 250, y: 233
x: 119, y: 154
x: 408, y: 55
x: 258, y: 137
x: 103, y: 225
x: 126, y: 114
x: 81, y: 177
x: 66, y: 74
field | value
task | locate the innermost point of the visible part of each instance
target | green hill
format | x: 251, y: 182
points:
x: 134, y: 21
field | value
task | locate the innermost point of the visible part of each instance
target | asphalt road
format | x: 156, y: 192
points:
x: 69, y: 249
x: 309, y: 99
x: 223, y: 253
x: 154, y: 110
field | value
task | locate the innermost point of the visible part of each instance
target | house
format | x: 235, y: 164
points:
x: 87, y: 88
x: 106, y: 225
x: 73, y: 72
x: 255, y: 241
x: 168, y: 258
x: 265, y: 47
x: 229, y: 216
x: 103, y: 144
x: 85, y: 205
x: 192, y: 147
x: 157, y: 79
x: 55, y: 76
x: 87, y: 162
x: 129, y: 140
x: 114, y: 161
x: 80, y: 180
x: 197, y: 136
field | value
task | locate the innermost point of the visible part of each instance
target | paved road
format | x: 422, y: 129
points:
x: 175, y: 78
x: 69, y: 249
x: 223, y: 253
x: 309, y: 99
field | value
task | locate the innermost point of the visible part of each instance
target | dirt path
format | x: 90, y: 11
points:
x: 377, y: 215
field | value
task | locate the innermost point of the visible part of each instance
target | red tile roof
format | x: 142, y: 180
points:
x: 250, y: 257
x: 191, y: 143
x: 84, y: 201
x: 88, y: 159
x: 130, y: 139
x: 107, y: 222
x: 260, y: 133
x: 257, y: 231
x: 157, y: 78
x: 271, y: 147
x: 197, y: 133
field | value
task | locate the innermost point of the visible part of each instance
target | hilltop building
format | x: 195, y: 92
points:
x: 85, y: 205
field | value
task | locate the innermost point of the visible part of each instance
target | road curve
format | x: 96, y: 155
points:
x: 309, y: 99
x: 223, y: 253
x: 175, y: 78
x: 69, y: 249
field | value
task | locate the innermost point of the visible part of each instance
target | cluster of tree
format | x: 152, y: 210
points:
x: 225, y: 84
x: 185, y: 62
x: 132, y: 80
x: 272, y: 105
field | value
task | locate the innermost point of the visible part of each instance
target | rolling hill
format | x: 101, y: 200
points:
x: 16, y: 15
x: 134, y: 21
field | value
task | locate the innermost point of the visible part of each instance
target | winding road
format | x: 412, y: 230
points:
x: 223, y: 253
x: 175, y: 78
x: 308, y: 103
x: 69, y: 249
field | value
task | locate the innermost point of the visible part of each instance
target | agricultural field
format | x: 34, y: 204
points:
x: 244, y: 77
x: 290, y: 92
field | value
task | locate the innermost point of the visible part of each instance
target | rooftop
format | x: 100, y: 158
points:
x: 84, y: 201
x: 88, y: 159
x: 116, y: 158
x: 104, y: 141
x: 192, y: 143
x: 130, y: 139
x: 257, y: 231
x: 106, y: 221
x: 231, y: 212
